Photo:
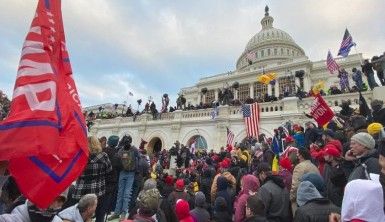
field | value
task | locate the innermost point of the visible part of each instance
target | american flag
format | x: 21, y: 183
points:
x: 251, y: 118
x: 230, y: 137
x: 251, y: 56
x: 346, y: 44
x: 331, y: 64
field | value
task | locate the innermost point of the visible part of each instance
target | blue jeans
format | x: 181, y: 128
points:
x: 126, y: 179
x: 371, y: 81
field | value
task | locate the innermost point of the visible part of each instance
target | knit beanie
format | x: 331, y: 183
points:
x: 179, y: 185
x: 285, y: 163
x: 200, y: 199
x: 182, y: 209
x: 316, y: 180
x: 149, y: 184
x: 374, y: 128
x: 148, y: 200
x: 364, y: 139
x: 113, y: 141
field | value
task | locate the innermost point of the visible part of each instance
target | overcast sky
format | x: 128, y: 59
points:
x: 151, y: 47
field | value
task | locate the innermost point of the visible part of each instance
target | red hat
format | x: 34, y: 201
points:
x: 285, y: 163
x: 179, y: 185
x: 226, y: 162
x: 182, y: 210
x: 289, y: 139
x: 296, y: 127
x: 169, y: 180
x: 331, y: 150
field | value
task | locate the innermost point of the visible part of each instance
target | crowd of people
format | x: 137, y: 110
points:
x: 311, y: 173
x: 5, y: 104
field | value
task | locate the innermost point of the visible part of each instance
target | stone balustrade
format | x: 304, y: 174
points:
x: 290, y: 105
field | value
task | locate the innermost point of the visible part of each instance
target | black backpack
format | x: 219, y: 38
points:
x: 129, y: 159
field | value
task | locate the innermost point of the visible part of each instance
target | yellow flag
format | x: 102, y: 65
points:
x: 264, y: 79
x: 275, y: 165
x: 318, y: 87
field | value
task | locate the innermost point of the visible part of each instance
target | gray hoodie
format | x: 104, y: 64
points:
x: 306, y: 192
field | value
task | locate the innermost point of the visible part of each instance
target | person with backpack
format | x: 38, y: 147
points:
x: 129, y: 160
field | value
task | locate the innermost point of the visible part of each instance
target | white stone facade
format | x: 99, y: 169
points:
x: 281, y: 55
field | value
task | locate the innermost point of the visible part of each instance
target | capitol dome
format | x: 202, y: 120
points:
x: 270, y: 45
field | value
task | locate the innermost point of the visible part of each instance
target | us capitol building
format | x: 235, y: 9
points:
x: 274, y: 51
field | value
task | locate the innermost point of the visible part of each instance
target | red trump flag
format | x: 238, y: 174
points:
x: 44, y: 138
x: 320, y: 111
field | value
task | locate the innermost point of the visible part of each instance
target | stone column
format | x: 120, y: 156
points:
x: 252, y: 90
x: 276, y: 88
x: 216, y: 95
x: 236, y: 94
x: 306, y: 83
x: 199, y: 98
x: 297, y: 82
x: 269, y: 89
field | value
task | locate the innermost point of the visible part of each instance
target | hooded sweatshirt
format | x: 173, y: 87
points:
x: 250, y: 184
x: 222, y: 191
x: 362, y: 201
x: 306, y: 192
x: 182, y: 210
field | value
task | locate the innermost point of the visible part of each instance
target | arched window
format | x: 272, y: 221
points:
x: 198, y: 141
x: 287, y: 85
x: 268, y: 52
x: 210, y: 96
x: 262, y: 53
x: 275, y: 51
x: 243, y: 92
x: 281, y: 51
x: 259, y: 90
x: 287, y: 52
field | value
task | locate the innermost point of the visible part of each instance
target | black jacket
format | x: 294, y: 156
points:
x: 222, y: 216
x: 316, y: 210
x: 372, y: 166
x: 255, y: 219
x: 276, y: 199
x: 335, y: 180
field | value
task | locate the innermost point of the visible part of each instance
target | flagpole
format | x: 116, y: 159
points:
x: 355, y: 49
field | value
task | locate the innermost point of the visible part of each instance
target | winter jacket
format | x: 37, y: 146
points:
x: 275, y: 196
x: 222, y: 185
x: 250, y: 185
x: 311, y: 135
x: 335, y: 180
x: 379, y: 116
x: 72, y: 214
x: 362, y: 200
x: 19, y: 214
x: 304, y: 167
x: 222, y: 216
x: 316, y: 210
x: 200, y: 214
x: 93, y: 178
x: 364, y: 166
x: 287, y: 177
x: 255, y: 219
x: 230, y: 178
x: 299, y: 138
